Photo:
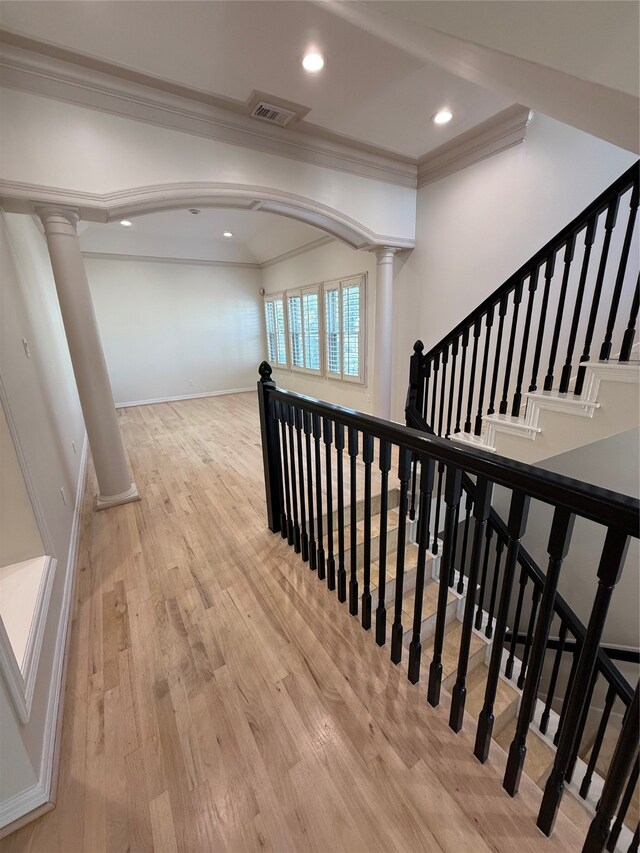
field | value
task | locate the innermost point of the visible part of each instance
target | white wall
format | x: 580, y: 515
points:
x: 477, y: 227
x: 19, y: 535
x: 327, y: 263
x: 172, y: 330
x: 43, y: 404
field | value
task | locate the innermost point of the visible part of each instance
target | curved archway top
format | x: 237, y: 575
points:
x: 25, y: 198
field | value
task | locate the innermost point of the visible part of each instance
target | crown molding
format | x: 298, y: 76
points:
x: 46, y: 70
x: 167, y: 259
x: 301, y: 250
x: 502, y: 131
x: 22, y: 197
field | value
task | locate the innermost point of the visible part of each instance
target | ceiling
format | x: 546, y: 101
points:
x: 369, y: 90
x: 257, y: 237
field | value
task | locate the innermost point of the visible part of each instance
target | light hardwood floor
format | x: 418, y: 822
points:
x: 219, y: 697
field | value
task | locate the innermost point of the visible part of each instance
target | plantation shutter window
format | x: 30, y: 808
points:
x: 311, y: 329
x: 344, y: 305
x: 294, y: 307
x: 332, y: 331
x: 275, y: 329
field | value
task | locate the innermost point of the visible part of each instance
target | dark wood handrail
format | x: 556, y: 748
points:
x: 618, y: 188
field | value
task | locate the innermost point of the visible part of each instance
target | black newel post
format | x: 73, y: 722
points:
x: 270, y: 448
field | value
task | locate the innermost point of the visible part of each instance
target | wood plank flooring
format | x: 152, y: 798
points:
x: 218, y: 696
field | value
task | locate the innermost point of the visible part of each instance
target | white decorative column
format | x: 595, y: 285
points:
x: 383, y: 333
x: 87, y: 358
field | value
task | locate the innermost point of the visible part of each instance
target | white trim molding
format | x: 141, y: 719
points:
x: 41, y: 792
x: 159, y: 259
x: 502, y: 131
x: 152, y: 402
x: 21, y: 197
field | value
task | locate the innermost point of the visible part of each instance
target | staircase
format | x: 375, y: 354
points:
x: 400, y: 523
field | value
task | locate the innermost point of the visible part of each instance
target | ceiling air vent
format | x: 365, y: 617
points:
x: 272, y: 114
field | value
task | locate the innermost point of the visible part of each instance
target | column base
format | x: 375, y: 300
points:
x: 106, y: 502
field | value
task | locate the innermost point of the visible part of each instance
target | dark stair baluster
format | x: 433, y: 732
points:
x: 425, y: 401
x: 549, y: 270
x: 317, y: 435
x: 544, y: 720
x: 384, y: 463
x: 465, y: 537
x: 342, y: 574
x: 605, y: 349
x: 284, y: 526
x: 609, y: 225
x: 434, y: 393
x: 331, y: 563
x: 463, y: 364
x: 452, y: 495
x: 304, y: 536
x: 284, y: 417
x: 477, y: 328
x: 454, y: 549
x: 630, y: 332
x: 516, y: 527
x: 508, y: 670
x: 353, y: 576
x: 535, y: 599
x: 502, y: 310
x: 483, y: 581
x: 589, y: 238
x: 597, y: 744
x: 568, y: 258
x: 452, y: 384
x: 488, y: 631
x: 621, y: 763
x: 483, y: 376
x: 313, y: 563
x: 579, y: 731
x: 524, y: 351
x: 611, y: 562
x: 622, y: 811
x: 517, y: 298
x: 481, y: 510
x: 558, y: 547
x: 565, y: 702
x: 436, y: 525
x: 367, y: 458
x: 294, y: 485
x: 443, y: 385
x: 404, y: 472
x: 426, y: 488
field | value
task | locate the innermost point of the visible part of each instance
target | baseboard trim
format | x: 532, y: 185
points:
x: 15, y: 811
x: 134, y: 403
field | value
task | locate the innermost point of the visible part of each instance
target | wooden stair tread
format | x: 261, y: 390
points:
x: 451, y: 649
x: 505, y: 703
x: 429, y: 603
x: 540, y: 755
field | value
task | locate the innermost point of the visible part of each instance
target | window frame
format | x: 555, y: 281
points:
x: 300, y: 293
x: 321, y: 289
x: 339, y: 284
x: 273, y: 298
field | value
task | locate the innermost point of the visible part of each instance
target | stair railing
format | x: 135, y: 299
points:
x: 371, y: 444
x: 579, y: 289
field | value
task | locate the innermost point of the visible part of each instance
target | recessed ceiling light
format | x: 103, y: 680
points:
x: 442, y: 117
x: 126, y: 222
x: 194, y: 210
x: 227, y: 234
x: 313, y: 62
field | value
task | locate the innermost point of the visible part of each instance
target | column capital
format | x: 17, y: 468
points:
x: 59, y: 220
x: 384, y: 254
